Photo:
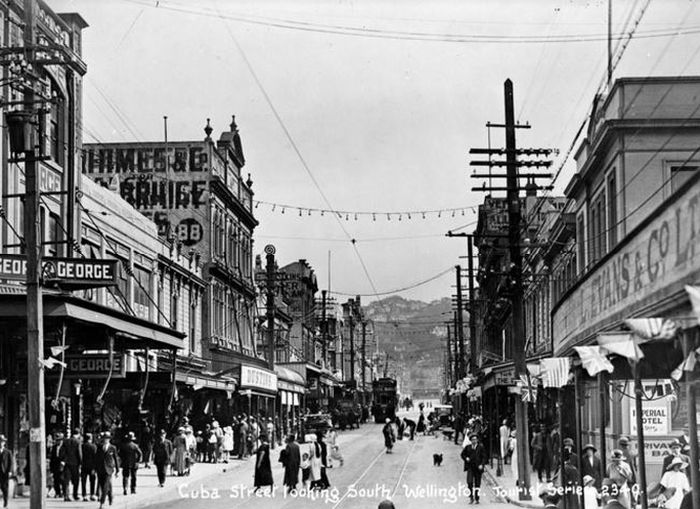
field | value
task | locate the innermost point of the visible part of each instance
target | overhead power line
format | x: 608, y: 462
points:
x: 377, y: 33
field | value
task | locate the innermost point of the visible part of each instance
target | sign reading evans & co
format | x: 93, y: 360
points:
x: 659, y: 257
x: 254, y: 377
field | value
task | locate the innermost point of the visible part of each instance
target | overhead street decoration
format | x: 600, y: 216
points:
x: 71, y: 273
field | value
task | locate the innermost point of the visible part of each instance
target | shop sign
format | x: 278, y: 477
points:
x: 661, y: 255
x: 95, y: 366
x: 83, y: 272
x: 254, y: 377
x: 655, y: 450
x: 655, y: 418
x: 282, y: 385
x: 506, y: 377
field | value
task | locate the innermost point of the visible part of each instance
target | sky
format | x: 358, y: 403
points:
x: 367, y: 106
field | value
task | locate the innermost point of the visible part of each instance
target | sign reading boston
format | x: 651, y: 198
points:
x: 659, y: 256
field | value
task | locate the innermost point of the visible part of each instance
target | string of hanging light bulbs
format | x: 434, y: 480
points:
x: 374, y: 215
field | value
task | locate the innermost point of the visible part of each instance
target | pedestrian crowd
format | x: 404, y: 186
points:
x: 581, y: 483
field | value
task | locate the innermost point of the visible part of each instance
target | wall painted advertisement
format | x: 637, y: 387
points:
x: 168, y: 183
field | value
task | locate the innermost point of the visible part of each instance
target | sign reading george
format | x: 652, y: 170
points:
x: 95, y: 366
x: 77, y: 272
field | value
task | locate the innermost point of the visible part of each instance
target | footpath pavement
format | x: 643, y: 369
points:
x: 147, y: 490
x: 505, y: 489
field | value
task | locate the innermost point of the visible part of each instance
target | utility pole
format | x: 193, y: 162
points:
x: 450, y: 378
x: 270, y: 302
x: 364, y: 343
x: 460, y: 324
x: 324, y: 328
x: 35, y: 312
x: 472, y: 305
x: 515, y: 284
x: 352, y: 339
x: 455, y: 328
x: 513, y: 198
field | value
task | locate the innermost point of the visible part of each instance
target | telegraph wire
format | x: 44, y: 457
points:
x: 414, y: 36
x: 398, y: 290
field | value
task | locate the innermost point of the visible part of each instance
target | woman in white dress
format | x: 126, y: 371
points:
x: 674, y: 478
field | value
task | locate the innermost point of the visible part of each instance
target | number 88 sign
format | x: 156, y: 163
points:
x: 188, y: 231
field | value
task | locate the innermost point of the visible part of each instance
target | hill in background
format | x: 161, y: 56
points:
x: 413, y: 335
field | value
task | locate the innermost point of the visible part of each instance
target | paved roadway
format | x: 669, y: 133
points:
x: 369, y: 475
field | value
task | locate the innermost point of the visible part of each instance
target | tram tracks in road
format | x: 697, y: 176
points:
x: 383, y: 472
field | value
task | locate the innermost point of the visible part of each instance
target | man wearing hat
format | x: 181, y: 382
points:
x: 72, y: 457
x: 130, y: 456
x: 675, y: 453
x: 550, y: 497
x: 6, y: 469
x: 87, y: 467
x: 590, y: 465
x: 474, y: 456
x: 162, y: 453
x: 107, y: 465
x: 56, y: 464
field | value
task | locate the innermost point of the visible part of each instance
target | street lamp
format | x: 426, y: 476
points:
x: 19, y: 126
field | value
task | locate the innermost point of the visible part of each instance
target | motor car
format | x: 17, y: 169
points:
x: 349, y: 415
x: 313, y: 423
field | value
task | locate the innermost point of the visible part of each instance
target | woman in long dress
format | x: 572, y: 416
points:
x: 513, y: 446
x: 263, y: 469
x: 321, y: 450
x: 420, y: 428
x: 181, y: 452
x: 388, y: 432
x: 675, y: 478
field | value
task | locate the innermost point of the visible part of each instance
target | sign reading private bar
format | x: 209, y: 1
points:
x: 82, y: 272
x: 254, y: 377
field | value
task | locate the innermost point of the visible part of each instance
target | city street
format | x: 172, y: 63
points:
x: 369, y: 475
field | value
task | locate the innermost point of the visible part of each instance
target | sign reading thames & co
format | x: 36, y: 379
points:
x: 652, y: 263
x: 75, y: 272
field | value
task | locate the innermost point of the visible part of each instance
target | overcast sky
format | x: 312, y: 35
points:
x: 382, y: 99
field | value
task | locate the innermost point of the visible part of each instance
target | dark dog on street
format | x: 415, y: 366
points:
x: 437, y: 459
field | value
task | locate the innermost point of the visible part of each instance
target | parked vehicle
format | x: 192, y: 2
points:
x: 349, y: 415
x: 314, y: 423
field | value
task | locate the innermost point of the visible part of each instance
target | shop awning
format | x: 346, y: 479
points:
x: 327, y: 378
x: 289, y: 380
x: 201, y: 381
x: 65, y: 306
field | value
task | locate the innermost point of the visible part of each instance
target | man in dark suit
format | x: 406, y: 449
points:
x: 107, y: 465
x: 162, y: 452
x: 474, y: 457
x: 676, y: 452
x: 71, y: 455
x: 6, y: 469
x: 56, y: 464
x: 130, y: 455
x: 87, y: 467
x: 590, y: 465
x: 291, y: 459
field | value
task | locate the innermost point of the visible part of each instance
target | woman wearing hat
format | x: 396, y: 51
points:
x: 675, y: 483
x: 590, y: 465
x: 389, y: 438
x: 620, y: 473
x: 590, y: 493
x: 181, y: 452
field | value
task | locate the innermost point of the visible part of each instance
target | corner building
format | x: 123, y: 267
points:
x: 197, y: 196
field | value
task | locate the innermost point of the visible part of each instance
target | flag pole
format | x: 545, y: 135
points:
x: 640, y: 434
